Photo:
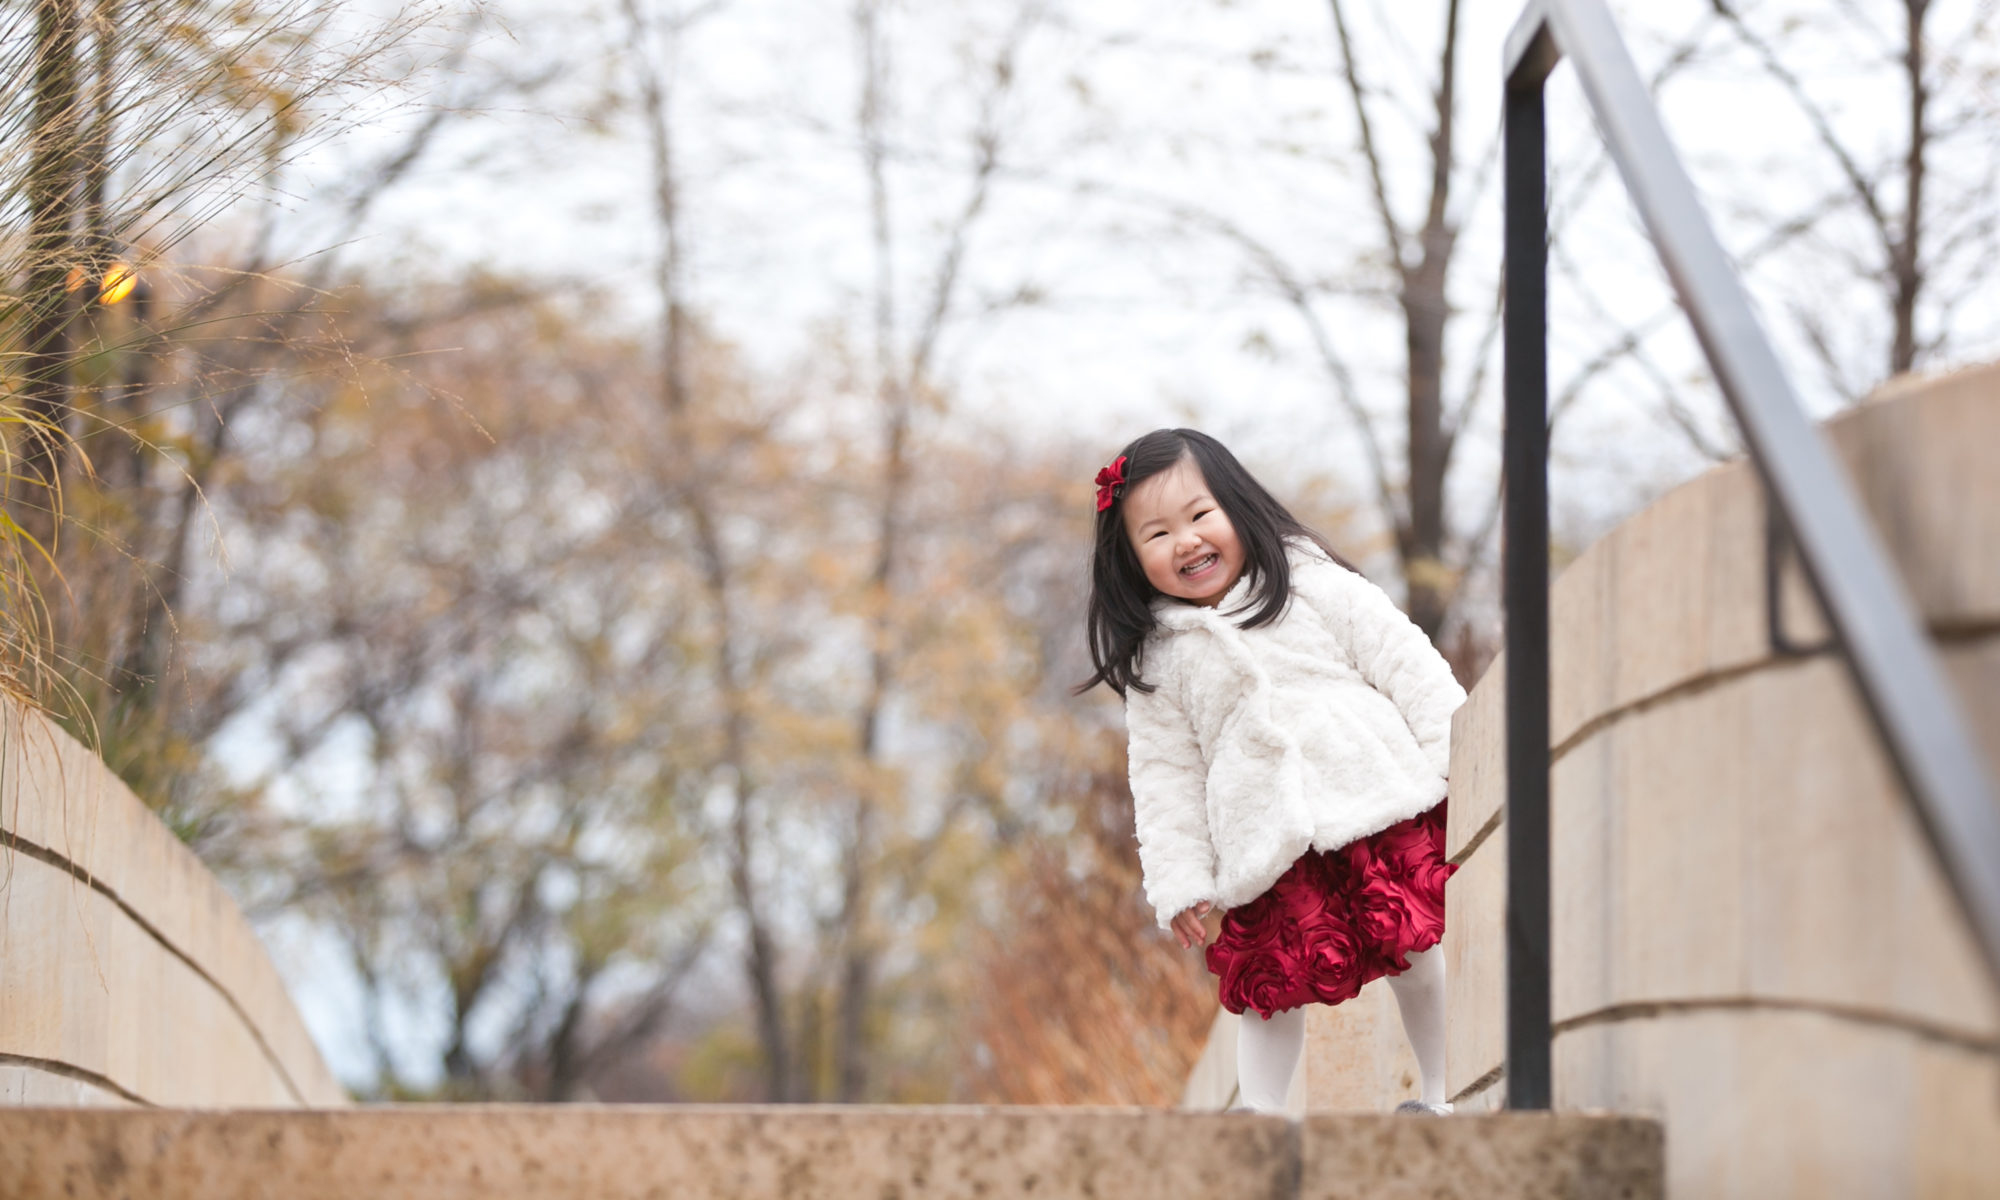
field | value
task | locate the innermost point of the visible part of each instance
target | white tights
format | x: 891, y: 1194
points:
x: 1267, y: 1051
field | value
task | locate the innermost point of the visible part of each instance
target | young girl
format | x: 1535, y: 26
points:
x: 1289, y: 731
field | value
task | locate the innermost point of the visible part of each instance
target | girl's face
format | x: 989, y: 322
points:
x: 1183, y: 538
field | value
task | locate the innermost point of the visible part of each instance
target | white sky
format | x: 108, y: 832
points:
x: 1146, y: 320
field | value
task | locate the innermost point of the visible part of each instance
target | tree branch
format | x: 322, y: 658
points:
x: 1392, y: 233
x: 1858, y: 182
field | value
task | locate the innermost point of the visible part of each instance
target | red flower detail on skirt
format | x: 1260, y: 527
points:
x: 1336, y: 920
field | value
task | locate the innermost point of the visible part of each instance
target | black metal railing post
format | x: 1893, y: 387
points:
x: 1525, y: 585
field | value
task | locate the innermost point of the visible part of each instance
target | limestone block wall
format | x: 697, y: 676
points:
x: 127, y: 975
x: 1751, y: 939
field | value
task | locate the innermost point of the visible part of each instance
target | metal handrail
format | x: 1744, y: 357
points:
x: 1892, y: 662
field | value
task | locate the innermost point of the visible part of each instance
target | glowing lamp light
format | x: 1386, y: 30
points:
x: 118, y: 283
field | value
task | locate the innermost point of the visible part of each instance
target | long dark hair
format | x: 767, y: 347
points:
x: 1120, y: 613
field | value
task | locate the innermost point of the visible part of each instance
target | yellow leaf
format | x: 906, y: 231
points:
x: 118, y: 283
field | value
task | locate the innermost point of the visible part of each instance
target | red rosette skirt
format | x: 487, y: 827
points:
x: 1336, y: 920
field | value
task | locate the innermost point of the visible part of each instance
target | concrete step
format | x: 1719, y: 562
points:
x: 519, y: 1152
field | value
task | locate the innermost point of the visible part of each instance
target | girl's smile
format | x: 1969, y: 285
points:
x: 1184, y: 540
x: 1201, y: 566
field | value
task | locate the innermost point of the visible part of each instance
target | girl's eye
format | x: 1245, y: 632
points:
x: 1204, y: 512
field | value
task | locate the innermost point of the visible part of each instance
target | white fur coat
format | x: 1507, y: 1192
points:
x: 1328, y: 724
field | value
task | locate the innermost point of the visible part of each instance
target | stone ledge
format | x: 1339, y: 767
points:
x: 522, y: 1152
x: 1505, y: 1156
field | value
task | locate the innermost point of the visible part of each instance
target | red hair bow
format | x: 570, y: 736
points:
x: 1109, y: 480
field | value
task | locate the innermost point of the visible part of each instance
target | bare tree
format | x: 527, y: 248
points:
x: 903, y: 362
x: 508, y: 676
x: 1420, y: 260
x: 655, y: 55
x: 815, y: 1029
x: 1905, y: 216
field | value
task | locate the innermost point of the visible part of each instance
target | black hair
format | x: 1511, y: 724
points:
x: 1120, y: 612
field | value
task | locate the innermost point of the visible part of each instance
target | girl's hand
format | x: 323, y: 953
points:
x: 1188, y: 927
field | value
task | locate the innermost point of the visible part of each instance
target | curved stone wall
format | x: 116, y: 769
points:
x: 1751, y: 939
x: 127, y: 975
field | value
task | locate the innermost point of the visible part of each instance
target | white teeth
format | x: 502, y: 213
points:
x: 1198, y: 564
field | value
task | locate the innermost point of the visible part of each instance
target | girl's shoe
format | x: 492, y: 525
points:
x: 1418, y: 1108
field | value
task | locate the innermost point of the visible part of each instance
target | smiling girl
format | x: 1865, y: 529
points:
x: 1289, y: 733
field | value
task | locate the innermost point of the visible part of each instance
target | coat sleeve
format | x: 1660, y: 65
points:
x: 1392, y: 655
x: 1169, y: 802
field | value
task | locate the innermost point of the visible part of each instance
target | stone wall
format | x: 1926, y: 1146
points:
x: 127, y: 975
x: 1751, y: 939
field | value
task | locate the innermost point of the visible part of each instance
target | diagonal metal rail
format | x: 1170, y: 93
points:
x: 1898, y: 675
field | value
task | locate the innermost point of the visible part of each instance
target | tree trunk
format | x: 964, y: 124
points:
x: 52, y: 192
x: 1422, y: 546
x: 1421, y: 263
x: 1906, y: 267
x: 761, y: 957
x: 850, y: 1052
x: 1426, y: 307
x: 114, y: 448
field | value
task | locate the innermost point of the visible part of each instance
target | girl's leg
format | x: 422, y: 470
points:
x: 1267, y: 1052
x: 1420, y: 996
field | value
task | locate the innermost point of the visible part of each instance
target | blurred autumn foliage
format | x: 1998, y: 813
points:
x: 613, y: 717
x: 1083, y: 1000
x: 475, y: 580
x: 467, y: 632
